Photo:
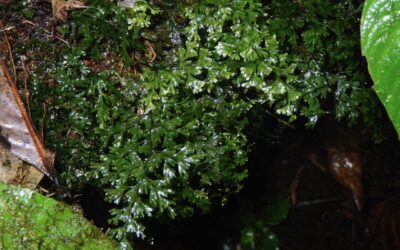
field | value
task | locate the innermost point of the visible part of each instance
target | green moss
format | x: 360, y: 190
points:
x: 32, y: 221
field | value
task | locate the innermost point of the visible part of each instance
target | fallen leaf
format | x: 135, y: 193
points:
x: 61, y: 8
x: 17, y: 134
x: 345, y: 164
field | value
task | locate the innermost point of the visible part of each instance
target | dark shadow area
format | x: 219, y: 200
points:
x: 325, y: 215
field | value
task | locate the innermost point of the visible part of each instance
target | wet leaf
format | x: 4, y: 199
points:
x: 277, y: 212
x: 345, y: 164
x: 17, y: 134
x: 380, y: 36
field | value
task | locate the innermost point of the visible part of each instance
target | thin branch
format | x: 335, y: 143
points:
x: 7, y: 29
x: 42, y: 121
x: 152, y: 51
x: 320, y: 201
x: 295, y: 184
x: 280, y: 120
x: 26, y: 88
x: 9, y: 51
x: 45, y: 31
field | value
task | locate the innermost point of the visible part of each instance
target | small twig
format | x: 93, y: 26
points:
x: 9, y: 51
x: 27, y: 93
x: 43, y: 120
x: 45, y: 31
x: 320, y: 201
x: 295, y: 185
x: 44, y: 190
x: 134, y: 71
x: 152, y: 51
x: 314, y: 160
x: 50, y: 195
x: 7, y: 29
x: 280, y: 120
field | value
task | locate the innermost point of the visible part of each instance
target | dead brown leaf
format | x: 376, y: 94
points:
x: 17, y: 134
x: 61, y: 8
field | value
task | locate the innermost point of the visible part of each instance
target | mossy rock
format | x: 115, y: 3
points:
x: 32, y: 221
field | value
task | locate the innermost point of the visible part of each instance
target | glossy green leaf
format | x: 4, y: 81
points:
x: 380, y: 40
x: 277, y: 212
x: 32, y: 221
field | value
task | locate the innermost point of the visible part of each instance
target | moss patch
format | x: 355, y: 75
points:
x: 32, y: 221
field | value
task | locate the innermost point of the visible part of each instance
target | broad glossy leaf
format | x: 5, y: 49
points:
x: 380, y: 40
